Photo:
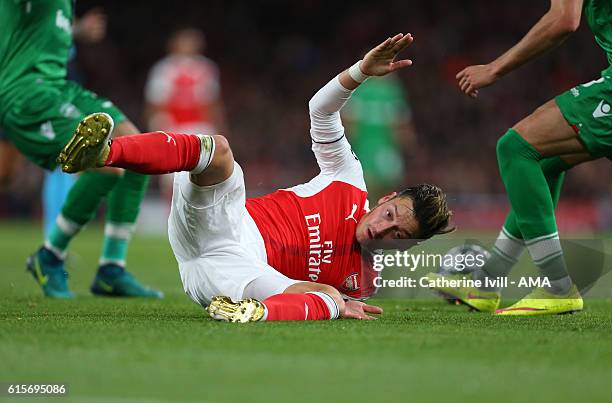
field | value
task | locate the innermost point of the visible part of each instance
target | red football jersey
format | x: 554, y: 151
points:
x: 312, y: 238
x: 309, y: 230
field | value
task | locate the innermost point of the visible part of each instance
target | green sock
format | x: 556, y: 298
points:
x: 554, y: 171
x: 80, y: 206
x: 532, y: 202
x: 115, y: 246
x: 123, y: 208
x: 526, y: 186
x: 509, y: 245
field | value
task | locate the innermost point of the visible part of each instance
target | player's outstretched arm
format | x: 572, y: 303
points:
x: 332, y: 151
x: 551, y: 30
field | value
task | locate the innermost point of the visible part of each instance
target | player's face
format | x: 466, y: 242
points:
x: 391, y: 218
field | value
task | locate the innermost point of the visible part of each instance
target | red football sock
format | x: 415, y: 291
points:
x: 309, y: 306
x: 155, y: 153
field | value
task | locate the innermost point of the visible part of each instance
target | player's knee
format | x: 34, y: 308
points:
x: 505, y: 146
x: 222, y: 146
x: 512, y: 146
x: 221, y: 166
x: 223, y: 153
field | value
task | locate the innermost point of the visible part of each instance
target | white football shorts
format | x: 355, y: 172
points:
x: 216, y: 243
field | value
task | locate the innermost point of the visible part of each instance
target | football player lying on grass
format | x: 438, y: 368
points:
x: 295, y: 254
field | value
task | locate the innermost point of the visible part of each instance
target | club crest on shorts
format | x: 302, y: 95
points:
x: 351, y: 283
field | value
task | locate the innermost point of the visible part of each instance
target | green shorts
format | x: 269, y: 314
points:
x: 41, y: 122
x: 588, y: 107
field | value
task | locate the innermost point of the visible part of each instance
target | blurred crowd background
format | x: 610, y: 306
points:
x: 272, y: 56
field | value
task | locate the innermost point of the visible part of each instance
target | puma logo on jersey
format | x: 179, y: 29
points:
x: 169, y: 138
x: 602, y: 110
x: 352, y: 215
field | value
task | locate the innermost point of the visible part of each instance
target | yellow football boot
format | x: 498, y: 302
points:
x: 542, y: 302
x: 89, y: 146
x: 246, y: 310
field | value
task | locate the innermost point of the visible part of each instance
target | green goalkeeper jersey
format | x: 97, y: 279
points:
x: 599, y: 17
x: 35, y: 41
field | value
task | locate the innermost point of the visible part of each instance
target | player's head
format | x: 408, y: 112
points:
x: 187, y: 41
x: 418, y: 212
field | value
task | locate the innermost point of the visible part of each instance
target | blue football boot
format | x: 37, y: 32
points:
x: 48, y: 270
x: 113, y: 280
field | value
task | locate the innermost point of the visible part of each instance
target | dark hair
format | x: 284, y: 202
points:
x: 430, y: 209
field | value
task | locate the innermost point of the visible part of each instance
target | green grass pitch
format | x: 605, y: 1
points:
x: 148, y: 351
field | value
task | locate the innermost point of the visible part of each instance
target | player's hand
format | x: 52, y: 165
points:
x: 472, y: 78
x: 91, y: 27
x: 359, y: 310
x: 381, y: 60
